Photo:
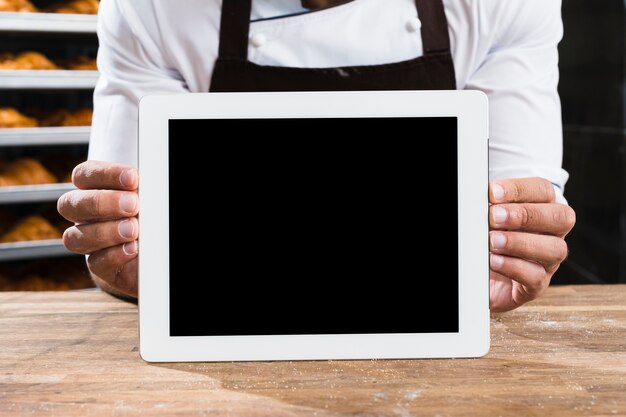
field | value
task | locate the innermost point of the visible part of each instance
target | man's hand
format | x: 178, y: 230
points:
x: 526, y: 240
x: 104, y: 209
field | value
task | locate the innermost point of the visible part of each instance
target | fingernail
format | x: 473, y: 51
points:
x: 498, y: 191
x: 498, y: 241
x: 499, y: 215
x: 127, y: 178
x: 496, y: 261
x: 128, y: 203
x: 130, y: 248
x: 126, y: 229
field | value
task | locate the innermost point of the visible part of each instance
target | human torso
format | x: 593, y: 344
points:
x: 362, y: 32
x: 505, y: 48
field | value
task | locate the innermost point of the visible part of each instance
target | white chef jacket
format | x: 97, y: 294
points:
x: 505, y: 48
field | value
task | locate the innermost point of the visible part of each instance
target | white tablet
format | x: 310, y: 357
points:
x: 317, y: 220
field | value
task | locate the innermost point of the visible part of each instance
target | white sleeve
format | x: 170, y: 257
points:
x: 520, y: 75
x: 131, y: 65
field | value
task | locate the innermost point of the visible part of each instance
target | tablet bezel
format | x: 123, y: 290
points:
x: 471, y: 109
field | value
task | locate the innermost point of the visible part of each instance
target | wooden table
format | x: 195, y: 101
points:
x: 75, y: 354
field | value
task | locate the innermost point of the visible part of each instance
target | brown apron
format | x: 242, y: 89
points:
x: 234, y: 73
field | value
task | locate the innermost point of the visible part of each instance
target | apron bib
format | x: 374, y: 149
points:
x: 234, y: 73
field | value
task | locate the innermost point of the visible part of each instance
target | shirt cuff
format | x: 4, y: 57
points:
x: 559, y: 197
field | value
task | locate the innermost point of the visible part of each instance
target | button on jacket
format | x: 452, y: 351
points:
x: 507, y: 49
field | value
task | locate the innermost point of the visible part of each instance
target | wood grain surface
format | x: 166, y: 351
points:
x: 75, y: 354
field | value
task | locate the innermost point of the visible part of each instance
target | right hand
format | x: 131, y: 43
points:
x: 104, y: 209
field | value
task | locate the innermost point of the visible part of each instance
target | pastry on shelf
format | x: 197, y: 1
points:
x: 47, y: 275
x: 75, y: 7
x: 28, y: 60
x: 37, y: 283
x: 17, y: 6
x: 81, y: 117
x: 11, y: 118
x: 31, y: 228
x: 81, y: 63
x: 25, y: 171
x: 72, y: 272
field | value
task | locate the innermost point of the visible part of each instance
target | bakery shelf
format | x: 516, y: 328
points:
x: 49, y: 79
x: 33, y: 193
x: 47, y: 22
x: 33, y: 249
x: 45, y: 136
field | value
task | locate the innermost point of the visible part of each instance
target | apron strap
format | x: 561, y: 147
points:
x: 435, y: 36
x: 235, y: 29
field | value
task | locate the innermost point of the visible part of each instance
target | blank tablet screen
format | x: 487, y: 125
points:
x: 313, y: 226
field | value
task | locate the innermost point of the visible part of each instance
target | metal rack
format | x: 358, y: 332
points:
x: 38, y: 136
x: 35, y: 26
x: 55, y: 79
x: 33, y: 250
x: 47, y: 23
x: 33, y: 193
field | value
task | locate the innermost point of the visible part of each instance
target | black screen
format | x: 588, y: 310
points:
x: 313, y: 226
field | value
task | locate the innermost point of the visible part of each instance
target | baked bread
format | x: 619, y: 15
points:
x: 31, y: 228
x: 81, y: 63
x: 46, y: 275
x: 17, y: 6
x: 25, y: 171
x: 11, y: 118
x: 28, y: 60
x: 31, y: 60
x: 81, y: 117
x: 37, y: 283
x: 75, y: 7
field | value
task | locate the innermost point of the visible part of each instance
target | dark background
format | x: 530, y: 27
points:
x: 593, y: 92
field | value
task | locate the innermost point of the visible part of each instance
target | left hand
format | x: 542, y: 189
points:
x: 526, y: 240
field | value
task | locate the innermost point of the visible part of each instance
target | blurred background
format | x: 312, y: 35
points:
x: 45, y: 118
x: 47, y: 76
x: 593, y: 92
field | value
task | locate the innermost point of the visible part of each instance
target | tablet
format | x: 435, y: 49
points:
x: 320, y: 228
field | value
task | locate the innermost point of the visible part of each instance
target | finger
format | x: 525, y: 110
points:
x: 553, y: 219
x: 117, y: 266
x: 532, y: 276
x: 83, y: 206
x: 92, y: 237
x: 521, y: 190
x: 501, y: 293
x: 100, y: 175
x: 549, y: 251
